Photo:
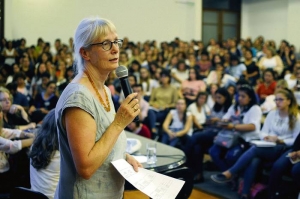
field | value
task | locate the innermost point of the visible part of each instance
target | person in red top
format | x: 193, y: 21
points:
x: 268, y: 86
x: 140, y: 129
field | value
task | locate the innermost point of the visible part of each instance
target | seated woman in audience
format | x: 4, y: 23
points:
x: 177, y: 125
x: 43, y: 103
x: 211, y: 98
x: 23, y: 86
x: 45, y: 158
x: 217, y: 59
x: 291, y: 78
x: 9, y: 54
x: 134, y: 69
x: 281, y: 166
x: 269, y: 103
x: 201, y: 141
x: 179, y: 74
x: 191, y: 86
x: 147, y: 82
x: 267, y: 87
x: 233, y: 48
x: 162, y: 99
x: 271, y: 60
x: 60, y: 72
x: 7, y: 146
x: 139, y: 128
x: 199, y: 111
x: 244, y: 117
x: 281, y: 127
x: 14, y: 116
x: 37, y: 79
x: 232, y: 91
x: 218, y: 76
x: 124, y: 61
x: 204, y: 64
x: 192, y: 61
x: 252, y: 68
x: 144, y: 105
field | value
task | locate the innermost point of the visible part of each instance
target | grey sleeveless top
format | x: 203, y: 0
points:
x: 106, y: 181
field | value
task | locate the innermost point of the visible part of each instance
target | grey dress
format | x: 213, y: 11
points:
x: 106, y: 181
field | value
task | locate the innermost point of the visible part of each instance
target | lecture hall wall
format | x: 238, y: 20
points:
x: 273, y: 19
x: 139, y: 20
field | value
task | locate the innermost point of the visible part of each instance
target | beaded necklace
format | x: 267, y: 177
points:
x: 107, y: 105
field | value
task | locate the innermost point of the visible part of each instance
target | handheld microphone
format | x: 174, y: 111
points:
x: 122, y: 74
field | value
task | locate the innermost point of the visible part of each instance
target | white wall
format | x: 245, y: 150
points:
x: 273, y: 19
x: 140, y: 20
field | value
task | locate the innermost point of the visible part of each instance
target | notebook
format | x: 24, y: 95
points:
x: 262, y: 143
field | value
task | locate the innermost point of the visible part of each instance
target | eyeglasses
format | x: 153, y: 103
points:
x: 278, y: 99
x: 107, y: 45
x: 5, y: 100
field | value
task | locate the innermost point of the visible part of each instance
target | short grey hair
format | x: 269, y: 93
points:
x: 87, y: 32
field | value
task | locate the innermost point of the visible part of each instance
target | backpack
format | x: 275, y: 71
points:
x: 257, y: 191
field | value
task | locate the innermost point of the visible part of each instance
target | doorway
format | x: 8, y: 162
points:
x: 220, y: 25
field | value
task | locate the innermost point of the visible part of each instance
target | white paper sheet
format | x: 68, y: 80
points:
x: 155, y: 185
x: 262, y: 143
x: 140, y: 158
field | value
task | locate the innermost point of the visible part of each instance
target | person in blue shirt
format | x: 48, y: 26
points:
x: 18, y: 98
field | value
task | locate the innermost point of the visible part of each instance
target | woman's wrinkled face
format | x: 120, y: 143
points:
x: 104, y: 60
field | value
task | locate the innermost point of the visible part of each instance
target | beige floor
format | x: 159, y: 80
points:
x: 196, y: 194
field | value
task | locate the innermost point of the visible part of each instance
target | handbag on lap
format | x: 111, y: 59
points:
x: 227, y: 138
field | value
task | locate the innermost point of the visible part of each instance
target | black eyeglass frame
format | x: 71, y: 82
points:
x: 118, y: 42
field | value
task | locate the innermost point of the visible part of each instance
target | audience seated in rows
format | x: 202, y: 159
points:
x: 165, y: 72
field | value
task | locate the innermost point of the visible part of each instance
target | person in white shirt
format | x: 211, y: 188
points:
x: 281, y: 127
x: 45, y: 158
x: 202, y: 139
x: 179, y: 74
x: 244, y: 118
x: 269, y: 103
x: 147, y: 82
x: 219, y: 77
x: 271, y: 60
x: 236, y: 69
x: 199, y: 110
x: 177, y: 125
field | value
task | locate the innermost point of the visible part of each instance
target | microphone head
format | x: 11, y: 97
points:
x: 121, y: 71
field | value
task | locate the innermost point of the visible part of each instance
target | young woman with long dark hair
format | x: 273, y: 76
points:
x: 201, y: 141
